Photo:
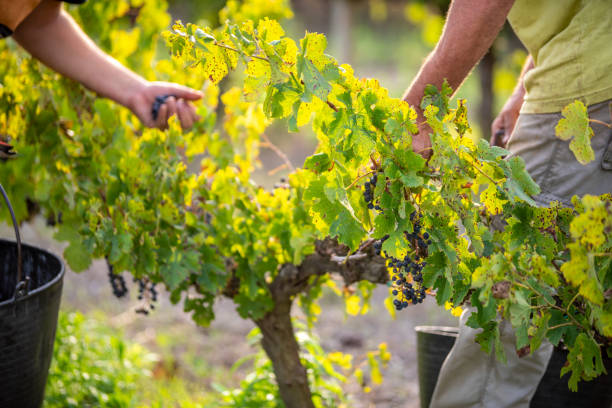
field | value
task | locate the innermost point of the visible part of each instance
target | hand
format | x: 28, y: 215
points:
x: 421, y: 142
x: 504, y: 123
x: 142, y: 101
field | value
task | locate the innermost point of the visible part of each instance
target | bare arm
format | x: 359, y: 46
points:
x: 504, y: 123
x: 51, y: 35
x: 470, y: 29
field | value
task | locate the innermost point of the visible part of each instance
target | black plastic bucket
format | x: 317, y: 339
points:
x: 435, y: 342
x: 30, y: 293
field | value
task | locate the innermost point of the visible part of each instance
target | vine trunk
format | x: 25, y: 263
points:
x: 282, y: 349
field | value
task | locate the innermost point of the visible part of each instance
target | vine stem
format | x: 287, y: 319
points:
x: 267, y: 143
x: 572, y: 301
x: 529, y: 287
x: 359, y: 178
x: 599, y: 122
x: 331, y: 105
x: 484, y: 174
x: 227, y: 47
x: 560, y: 325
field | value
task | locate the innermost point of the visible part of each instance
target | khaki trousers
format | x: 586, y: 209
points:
x: 469, y: 377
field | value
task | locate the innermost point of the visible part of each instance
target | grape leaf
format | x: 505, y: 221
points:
x: 77, y: 256
x: 575, y: 126
x: 438, y: 98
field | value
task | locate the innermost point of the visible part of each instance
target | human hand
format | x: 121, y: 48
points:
x: 504, y: 123
x: 421, y: 142
x: 142, y: 101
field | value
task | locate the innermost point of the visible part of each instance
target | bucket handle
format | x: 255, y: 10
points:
x: 22, y: 286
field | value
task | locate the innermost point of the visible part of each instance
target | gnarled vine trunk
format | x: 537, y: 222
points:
x: 278, y: 340
x: 282, y: 349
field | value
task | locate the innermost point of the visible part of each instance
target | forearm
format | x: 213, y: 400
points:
x: 52, y: 36
x: 470, y: 29
x: 518, y: 94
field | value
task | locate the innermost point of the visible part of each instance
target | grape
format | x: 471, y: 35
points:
x: 146, y: 289
x: 117, y: 282
x: 407, y: 278
x: 157, y: 104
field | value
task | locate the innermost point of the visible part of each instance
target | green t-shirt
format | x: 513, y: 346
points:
x: 571, y: 45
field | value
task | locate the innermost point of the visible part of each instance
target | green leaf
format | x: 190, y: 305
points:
x: 542, y: 323
x: 318, y: 162
x: 583, y: 361
x: 436, y: 263
x: 521, y: 176
x: 519, y: 182
x: 395, y: 245
x: 204, y: 36
x: 383, y: 224
x: 411, y: 180
x: 489, y: 339
x: 349, y: 231
x: 557, y: 317
x: 174, y: 272
x: 575, y: 126
x: 120, y: 244
x: 410, y: 160
x: 438, y: 98
x: 77, y: 256
x: 484, y: 313
x: 314, y: 82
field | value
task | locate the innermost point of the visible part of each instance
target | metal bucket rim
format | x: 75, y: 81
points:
x: 53, y: 282
x: 449, y: 331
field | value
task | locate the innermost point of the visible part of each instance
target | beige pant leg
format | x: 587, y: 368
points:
x: 472, y: 378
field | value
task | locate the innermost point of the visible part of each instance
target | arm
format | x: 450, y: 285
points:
x: 50, y: 34
x: 470, y: 29
x: 503, y: 125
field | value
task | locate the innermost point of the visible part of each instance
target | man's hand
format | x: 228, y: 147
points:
x: 421, y: 142
x: 470, y: 28
x: 504, y: 123
x: 142, y: 101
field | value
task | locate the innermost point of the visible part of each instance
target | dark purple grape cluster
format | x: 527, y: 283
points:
x: 407, y: 281
x: 117, y: 282
x: 407, y: 273
x: 148, y: 293
x: 157, y: 104
x: 406, y: 276
x: 368, y: 193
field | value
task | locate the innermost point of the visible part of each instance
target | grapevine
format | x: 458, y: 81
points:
x: 462, y: 227
x: 466, y: 186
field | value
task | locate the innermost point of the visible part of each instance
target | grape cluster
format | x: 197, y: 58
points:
x: 407, y: 277
x: 368, y: 193
x: 148, y: 293
x: 159, y: 101
x: 146, y: 289
x: 117, y: 282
